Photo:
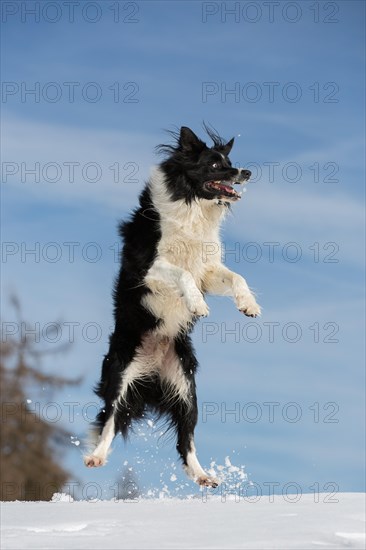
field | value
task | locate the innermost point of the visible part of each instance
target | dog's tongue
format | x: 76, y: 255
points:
x: 229, y: 188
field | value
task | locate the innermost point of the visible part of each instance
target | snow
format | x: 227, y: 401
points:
x: 203, y: 521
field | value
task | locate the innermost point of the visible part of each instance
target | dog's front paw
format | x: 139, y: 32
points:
x: 197, y: 306
x: 249, y: 307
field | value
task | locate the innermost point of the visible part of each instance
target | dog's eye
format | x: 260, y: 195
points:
x: 215, y: 165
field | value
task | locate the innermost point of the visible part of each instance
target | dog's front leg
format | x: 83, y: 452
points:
x: 163, y: 275
x: 220, y: 280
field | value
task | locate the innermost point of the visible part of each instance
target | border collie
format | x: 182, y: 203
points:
x: 159, y: 294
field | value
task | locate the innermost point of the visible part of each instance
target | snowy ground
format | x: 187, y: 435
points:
x: 190, y: 523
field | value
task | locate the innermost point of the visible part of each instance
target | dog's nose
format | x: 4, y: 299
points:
x: 245, y: 174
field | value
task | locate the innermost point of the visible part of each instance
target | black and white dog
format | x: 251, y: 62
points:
x: 159, y: 294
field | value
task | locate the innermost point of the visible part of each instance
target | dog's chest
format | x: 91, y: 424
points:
x: 186, y: 235
x: 190, y: 241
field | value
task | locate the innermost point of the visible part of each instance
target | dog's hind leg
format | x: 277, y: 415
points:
x: 99, y: 455
x: 185, y: 419
x: 105, y: 427
x: 122, y: 390
x: 178, y: 382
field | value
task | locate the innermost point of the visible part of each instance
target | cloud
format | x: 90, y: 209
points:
x: 271, y: 212
x: 110, y: 170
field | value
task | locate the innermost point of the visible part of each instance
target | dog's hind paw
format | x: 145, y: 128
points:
x: 93, y: 461
x: 207, y: 481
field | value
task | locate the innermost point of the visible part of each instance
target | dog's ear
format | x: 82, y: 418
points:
x: 189, y: 141
x: 227, y: 148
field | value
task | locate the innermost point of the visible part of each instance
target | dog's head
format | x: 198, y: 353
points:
x: 195, y: 171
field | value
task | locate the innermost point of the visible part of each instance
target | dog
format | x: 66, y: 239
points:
x: 159, y: 294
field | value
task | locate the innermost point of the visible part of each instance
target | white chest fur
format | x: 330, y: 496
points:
x: 188, y: 232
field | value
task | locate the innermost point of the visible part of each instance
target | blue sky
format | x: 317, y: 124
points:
x: 297, y: 115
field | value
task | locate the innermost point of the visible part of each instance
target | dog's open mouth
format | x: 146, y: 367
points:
x: 223, y: 189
